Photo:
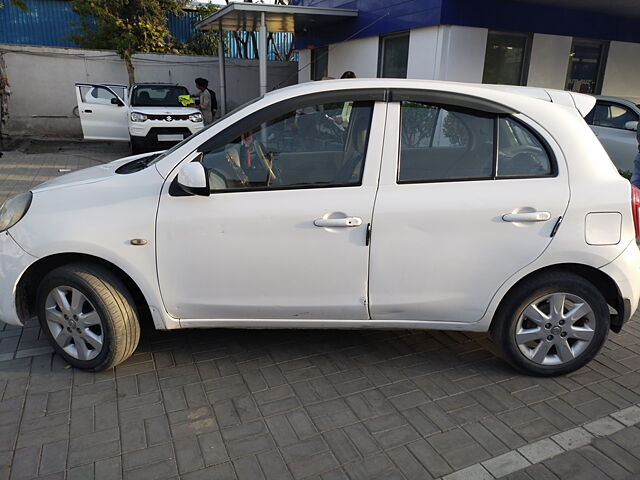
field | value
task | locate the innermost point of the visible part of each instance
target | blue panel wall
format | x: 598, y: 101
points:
x: 385, y: 16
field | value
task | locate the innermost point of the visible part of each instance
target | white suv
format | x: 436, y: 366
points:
x: 150, y: 116
x: 360, y: 203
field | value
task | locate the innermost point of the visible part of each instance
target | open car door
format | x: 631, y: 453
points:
x: 103, y: 111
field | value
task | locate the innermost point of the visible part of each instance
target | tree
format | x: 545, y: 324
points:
x: 127, y: 26
x: 20, y: 4
x: 204, y: 42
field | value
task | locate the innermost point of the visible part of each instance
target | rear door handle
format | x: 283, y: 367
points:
x: 527, y: 217
x: 88, y: 111
x: 338, y: 222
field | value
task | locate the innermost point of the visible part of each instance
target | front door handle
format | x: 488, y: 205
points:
x: 338, y: 222
x: 88, y: 111
x: 527, y: 217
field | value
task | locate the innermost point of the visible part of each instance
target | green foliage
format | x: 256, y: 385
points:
x: 203, y: 42
x: 20, y: 4
x: 127, y: 26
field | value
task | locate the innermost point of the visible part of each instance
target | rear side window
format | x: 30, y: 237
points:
x: 439, y: 144
x: 520, y: 153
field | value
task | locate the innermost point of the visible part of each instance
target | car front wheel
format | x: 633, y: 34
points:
x: 551, y: 324
x: 88, y: 315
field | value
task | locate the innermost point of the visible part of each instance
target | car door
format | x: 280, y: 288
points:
x: 608, y: 121
x: 103, y: 113
x: 456, y: 215
x: 283, y: 234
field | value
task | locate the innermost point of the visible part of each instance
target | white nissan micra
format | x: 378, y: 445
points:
x: 341, y: 204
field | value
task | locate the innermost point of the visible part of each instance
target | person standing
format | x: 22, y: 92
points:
x: 206, y: 104
x: 635, y: 177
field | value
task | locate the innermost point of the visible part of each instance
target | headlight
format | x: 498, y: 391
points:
x: 14, y: 209
x: 138, y: 117
x: 195, y: 117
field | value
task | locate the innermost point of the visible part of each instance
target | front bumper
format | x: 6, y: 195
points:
x: 13, y: 262
x: 147, y: 132
x: 625, y: 272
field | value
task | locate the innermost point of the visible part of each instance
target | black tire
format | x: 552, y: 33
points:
x: 503, y: 328
x: 107, y: 297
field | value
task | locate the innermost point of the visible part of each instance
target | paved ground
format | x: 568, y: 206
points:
x: 226, y: 404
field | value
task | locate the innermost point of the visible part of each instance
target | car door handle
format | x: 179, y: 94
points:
x: 527, y: 217
x: 88, y: 111
x: 338, y: 222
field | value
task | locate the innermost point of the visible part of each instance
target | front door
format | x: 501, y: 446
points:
x: 456, y: 215
x: 103, y: 113
x: 283, y: 234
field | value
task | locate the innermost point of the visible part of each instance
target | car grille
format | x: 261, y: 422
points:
x: 168, y: 118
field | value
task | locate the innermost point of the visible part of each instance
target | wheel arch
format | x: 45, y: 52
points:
x: 26, y: 287
x: 603, y: 282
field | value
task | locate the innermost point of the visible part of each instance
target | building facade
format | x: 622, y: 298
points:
x: 588, y: 47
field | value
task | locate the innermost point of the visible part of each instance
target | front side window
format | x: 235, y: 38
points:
x: 507, y: 58
x: 394, y: 55
x: 444, y: 144
x: 96, y: 95
x: 158, y: 96
x: 312, y: 146
x: 612, y: 116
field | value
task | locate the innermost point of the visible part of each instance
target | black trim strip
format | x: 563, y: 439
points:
x: 448, y: 99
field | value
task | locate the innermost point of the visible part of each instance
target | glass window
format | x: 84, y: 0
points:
x: 612, y: 116
x: 520, y: 153
x: 315, y: 146
x: 507, y: 58
x: 96, y: 95
x: 444, y: 144
x: 158, y: 96
x: 319, y: 63
x: 394, y: 54
x: 586, y: 66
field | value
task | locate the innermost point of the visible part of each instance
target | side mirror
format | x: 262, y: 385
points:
x: 116, y: 101
x: 193, y: 179
x: 631, y: 126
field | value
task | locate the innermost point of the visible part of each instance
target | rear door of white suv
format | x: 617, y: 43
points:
x: 103, y: 111
x: 469, y: 194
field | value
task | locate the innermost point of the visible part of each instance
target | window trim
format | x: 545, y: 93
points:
x: 526, y: 59
x: 553, y: 163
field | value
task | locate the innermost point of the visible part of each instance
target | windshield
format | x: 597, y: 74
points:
x: 188, y: 139
x: 158, y: 95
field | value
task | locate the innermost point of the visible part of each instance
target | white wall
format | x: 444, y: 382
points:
x: 622, y: 74
x: 423, y: 53
x: 304, y: 65
x: 42, y: 81
x: 360, y: 56
x: 549, y: 61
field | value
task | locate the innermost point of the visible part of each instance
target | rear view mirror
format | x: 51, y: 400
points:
x: 631, y: 126
x: 193, y: 179
x: 116, y: 101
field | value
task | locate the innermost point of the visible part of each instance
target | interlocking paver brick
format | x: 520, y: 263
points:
x: 505, y: 464
x: 541, y: 450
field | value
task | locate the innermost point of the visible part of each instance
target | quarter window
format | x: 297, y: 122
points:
x: 520, y: 153
x: 444, y: 144
x: 315, y: 146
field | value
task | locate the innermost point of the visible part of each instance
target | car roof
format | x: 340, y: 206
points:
x: 507, y: 95
x: 158, y: 84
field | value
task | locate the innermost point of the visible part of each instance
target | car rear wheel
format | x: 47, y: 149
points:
x: 88, y: 315
x: 551, y: 324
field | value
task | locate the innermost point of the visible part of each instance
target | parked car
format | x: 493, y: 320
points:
x: 368, y: 203
x: 149, y: 117
x: 615, y: 122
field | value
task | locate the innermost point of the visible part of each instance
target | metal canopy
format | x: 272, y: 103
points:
x: 278, y: 18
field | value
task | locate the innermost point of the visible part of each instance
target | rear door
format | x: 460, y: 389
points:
x: 467, y: 197
x: 608, y: 121
x: 103, y: 113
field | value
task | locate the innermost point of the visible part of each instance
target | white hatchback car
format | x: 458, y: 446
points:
x: 361, y: 203
x: 149, y: 115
